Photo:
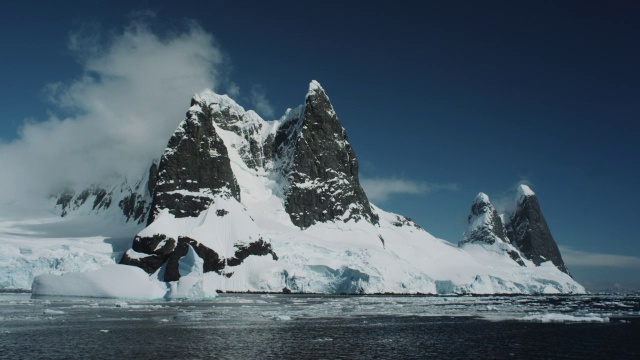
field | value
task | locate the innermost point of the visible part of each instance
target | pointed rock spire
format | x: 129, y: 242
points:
x: 195, y: 166
x: 320, y: 165
x: 485, y: 225
x: 529, y: 232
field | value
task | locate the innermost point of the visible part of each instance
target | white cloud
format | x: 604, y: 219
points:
x: 233, y: 90
x: 382, y: 189
x: 260, y: 102
x: 134, y: 90
x: 580, y: 258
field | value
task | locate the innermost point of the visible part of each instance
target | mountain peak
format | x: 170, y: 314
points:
x: 482, y: 198
x: 529, y: 232
x: 209, y: 97
x: 315, y: 88
x: 485, y: 225
x: 524, y: 191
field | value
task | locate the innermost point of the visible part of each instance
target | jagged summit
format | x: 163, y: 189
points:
x: 523, y: 192
x: 314, y: 87
x: 208, y: 97
x: 319, y: 165
x: 485, y: 226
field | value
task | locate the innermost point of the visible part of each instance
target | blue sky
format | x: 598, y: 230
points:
x: 440, y: 101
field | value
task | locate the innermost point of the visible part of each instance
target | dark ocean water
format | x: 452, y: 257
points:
x: 329, y: 327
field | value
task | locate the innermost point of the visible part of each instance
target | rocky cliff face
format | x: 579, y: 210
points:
x: 319, y: 165
x: 528, y: 230
x: 194, y: 167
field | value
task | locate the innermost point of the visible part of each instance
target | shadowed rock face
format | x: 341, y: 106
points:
x: 161, y: 250
x: 529, y: 232
x: 195, y: 167
x: 320, y: 166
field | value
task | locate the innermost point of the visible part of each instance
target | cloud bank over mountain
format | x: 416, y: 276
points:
x: 114, y: 118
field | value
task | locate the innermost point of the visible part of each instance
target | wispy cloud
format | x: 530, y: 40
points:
x: 233, y: 90
x: 260, y: 102
x: 579, y: 258
x: 505, y: 202
x: 133, y: 92
x: 381, y: 190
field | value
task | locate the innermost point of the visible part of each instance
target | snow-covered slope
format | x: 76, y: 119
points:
x: 126, y: 201
x: 244, y: 204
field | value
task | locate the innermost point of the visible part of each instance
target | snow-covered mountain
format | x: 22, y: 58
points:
x: 524, y: 235
x: 127, y: 200
x: 238, y: 203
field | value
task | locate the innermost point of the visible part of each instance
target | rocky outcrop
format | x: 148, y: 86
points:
x: 194, y: 167
x: 160, y: 250
x: 319, y: 165
x: 485, y: 225
x: 529, y: 232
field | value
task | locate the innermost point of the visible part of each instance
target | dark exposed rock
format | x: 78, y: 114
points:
x: 194, y: 167
x: 133, y: 207
x: 320, y: 165
x: 515, y: 257
x: 213, y: 261
x: 150, y: 263
x: 529, y: 232
x: 64, y: 201
x: 82, y: 198
x: 153, y: 178
x: 257, y: 248
x: 221, y: 212
x: 162, y: 249
x: 133, y: 200
x: 68, y: 200
x: 488, y: 224
x: 150, y: 246
x: 103, y: 200
x: 405, y: 221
